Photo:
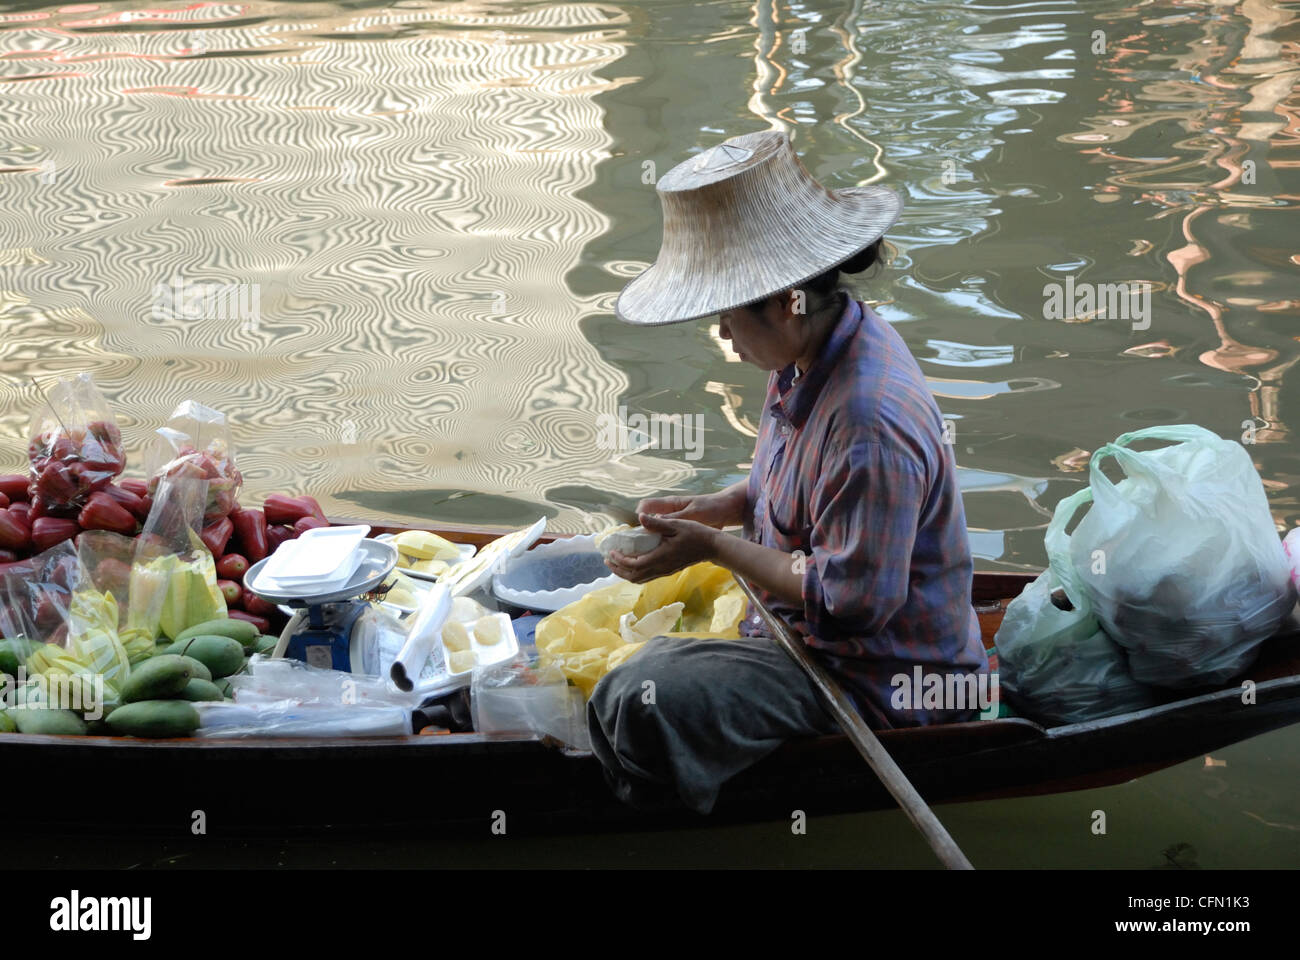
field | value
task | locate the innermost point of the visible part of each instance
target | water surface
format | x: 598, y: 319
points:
x: 437, y: 204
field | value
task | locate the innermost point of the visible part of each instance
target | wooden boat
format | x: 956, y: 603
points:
x: 459, y: 781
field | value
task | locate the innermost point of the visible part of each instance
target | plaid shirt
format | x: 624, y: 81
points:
x: 851, y: 469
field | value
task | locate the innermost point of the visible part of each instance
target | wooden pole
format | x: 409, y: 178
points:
x: 877, y: 757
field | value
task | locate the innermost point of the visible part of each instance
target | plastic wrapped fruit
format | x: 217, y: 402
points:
x: 75, y: 447
x: 196, y: 444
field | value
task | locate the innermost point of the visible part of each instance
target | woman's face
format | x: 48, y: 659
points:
x: 770, y: 340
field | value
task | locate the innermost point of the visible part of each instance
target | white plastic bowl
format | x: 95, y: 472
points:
x: 529, y: 581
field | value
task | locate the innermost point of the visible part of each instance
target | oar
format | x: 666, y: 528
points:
x: 881, y: 763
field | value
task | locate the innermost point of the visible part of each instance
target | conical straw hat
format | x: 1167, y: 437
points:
x: 745, y: 220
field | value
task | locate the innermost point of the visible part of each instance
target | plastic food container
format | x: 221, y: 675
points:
x: 418, y: 588
x: 322, y: 557
x: 467, y: 550
x: 485, y: 654
x: 370, y: 563
x: 553, y: 575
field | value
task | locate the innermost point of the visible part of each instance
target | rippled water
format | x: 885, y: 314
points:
x: 438, y: 202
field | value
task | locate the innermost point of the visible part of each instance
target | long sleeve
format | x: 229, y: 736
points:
x: 865, y: 510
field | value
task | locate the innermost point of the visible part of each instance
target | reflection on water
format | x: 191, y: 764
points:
x: 398, y: 189
x: 438, y: 202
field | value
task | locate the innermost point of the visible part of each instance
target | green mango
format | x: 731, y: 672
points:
x: 198, y: 689
x: 154, y: 718
x: 44, y: 720
x: 222, y: 655
x: 157, y: 678
x: 13, y: 654
x: 240, y: 630
x: 199, y: 669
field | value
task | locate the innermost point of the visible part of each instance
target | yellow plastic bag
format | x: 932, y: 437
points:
x: 585, y: 641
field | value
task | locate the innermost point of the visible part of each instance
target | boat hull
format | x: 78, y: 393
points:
x: 460, y: 781
x: 465, y: 782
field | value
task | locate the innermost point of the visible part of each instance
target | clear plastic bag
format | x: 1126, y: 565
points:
x: 195, y: 444
x: 93, y: 638
x: 272, y: 680
x: 170, y: 556
x: 1059, y: 666
x: 109, y: 561
x: 522, y: 696
x: 71, y: 627
x: 1180, y: 561
x: 292, y: 718
x: 75, y: 447
x: 176, y: 517
x: 38, y: 595
x: 383, y: 639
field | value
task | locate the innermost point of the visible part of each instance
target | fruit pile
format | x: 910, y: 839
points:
x: 70, y: 465
x: 76, y: 458
x: 154, y: 700
x: 237, y: 539
x: 130, y: 619
x: 210, y: 464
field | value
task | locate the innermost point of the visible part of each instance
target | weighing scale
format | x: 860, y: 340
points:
x: 331, y: 630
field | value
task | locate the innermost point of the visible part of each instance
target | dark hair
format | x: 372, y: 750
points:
x: 825, y: 288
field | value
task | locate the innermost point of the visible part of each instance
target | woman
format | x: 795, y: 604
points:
x: 854, y: 531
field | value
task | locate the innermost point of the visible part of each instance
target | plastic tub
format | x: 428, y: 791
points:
x: 553, y: 575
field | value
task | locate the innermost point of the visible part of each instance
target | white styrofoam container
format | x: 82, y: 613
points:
x: 319, y: 556
x: 492, y: 653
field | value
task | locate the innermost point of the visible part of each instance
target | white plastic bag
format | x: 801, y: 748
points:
x: 1059, y: 666
x: 1180, y: 561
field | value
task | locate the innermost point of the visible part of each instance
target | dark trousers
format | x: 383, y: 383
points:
x: 681, y: 717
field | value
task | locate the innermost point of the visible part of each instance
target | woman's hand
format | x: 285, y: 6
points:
x: 684, y: 542
x: 666, y: 506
